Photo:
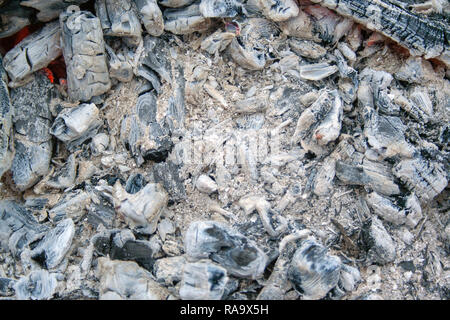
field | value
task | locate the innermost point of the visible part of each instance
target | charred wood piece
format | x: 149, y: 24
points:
x: 6, y: 134
x: 84, y: 54
x: 118, y: 18
x: 185, y: 20
x: 151, y: 16
x: 34, y: 52
x: 13, y: 18
x: 422, y: 36
x: 50, y: 9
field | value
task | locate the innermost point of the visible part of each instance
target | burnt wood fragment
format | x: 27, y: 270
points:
x: 118, y: 18
x: 50, y: 9
x: 34, y: 52
x: 84, y: 54
x: 421, y: 35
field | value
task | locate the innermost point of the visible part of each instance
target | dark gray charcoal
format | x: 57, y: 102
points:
x: 122, y: 245
x: 118, y: 18
x: 175, y: 3
x: 6, y: 134
x: 151, y: 16
x: 313, y: 272
x: 13, y: 17
x: 50, y: 9
x: 379, y: 244
x: 64, y: 177
x: 185, y: 20
x: 38, y: 285
x: 225, y: 246
x: 73, y: 126
x: 119, y: 68
x: 168, y: 174
x: 220, y: 9
x: 176, y: 111
x: 156, y: 57
x: 375, y: 175
x: 6, y: 287
x: 145, y: 138
x: 135, y: 183
x: 425, y: 178
x: 34, y: 52
x: 121, y: 280
x: 84, y: 54
x: 101, y: 214
x: 422, y: 36
x: 18, y: 227
x: 52, y: 249
x: 385, y: 135
x: 203, y: 281
x: 320, y: 124
x: 32, y: 120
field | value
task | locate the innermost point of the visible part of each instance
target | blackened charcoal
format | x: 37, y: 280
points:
x: 52, y: 249
x: 425, y: 178
x: 6, y: 134
x: 101, y: 214
x: 122, y: 245
x: 168, y: 174
x: 225, y: 246
x: 312, y: 271
x: 50, y: 9
x: 14, y: 17
x: 6, y: 287
x: 135, y: 183
x: 18, y: 227
x: 146, y: 138
x: 379, y: 244
x: 420, y: 35
x: 32, y: 121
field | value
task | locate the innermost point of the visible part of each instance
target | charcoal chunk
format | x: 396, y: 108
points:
x: 168, y: 174
x: 51, y: 250
x: 38, y: 285
x: 84, y: 54
x: 230, y: 249
x: 203, y: 281
x: 312, y: 271
x: 18, y: 227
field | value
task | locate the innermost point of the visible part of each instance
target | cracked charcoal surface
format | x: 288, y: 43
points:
x: 225, y: 150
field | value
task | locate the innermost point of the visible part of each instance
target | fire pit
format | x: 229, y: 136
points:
x: 237, y: 150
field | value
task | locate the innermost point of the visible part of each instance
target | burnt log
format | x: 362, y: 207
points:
x: 84, y: 54
x: 420, y: 35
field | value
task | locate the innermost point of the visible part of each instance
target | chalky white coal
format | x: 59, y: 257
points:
x: 233, y: 150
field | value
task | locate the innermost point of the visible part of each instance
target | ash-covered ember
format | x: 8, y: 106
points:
x: 257, y: 149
